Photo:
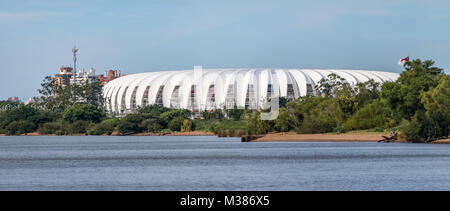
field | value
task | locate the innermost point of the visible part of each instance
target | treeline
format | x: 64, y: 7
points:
x: 90, y: 120
x: 417, y: 105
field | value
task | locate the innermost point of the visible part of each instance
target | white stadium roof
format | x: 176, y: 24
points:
x: 216, y: 88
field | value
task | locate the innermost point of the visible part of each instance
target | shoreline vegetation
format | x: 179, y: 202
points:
x: 415, y: 107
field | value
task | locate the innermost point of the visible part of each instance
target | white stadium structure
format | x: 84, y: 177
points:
x: 218, y: 88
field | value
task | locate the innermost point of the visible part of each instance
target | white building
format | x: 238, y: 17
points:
x: 217, y: 88
x: 81, y: 76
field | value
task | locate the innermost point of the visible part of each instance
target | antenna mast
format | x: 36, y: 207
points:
x: 75, y: 50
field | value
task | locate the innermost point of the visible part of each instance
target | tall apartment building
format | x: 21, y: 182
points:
x: 109, y: 76
x: 63, y: 78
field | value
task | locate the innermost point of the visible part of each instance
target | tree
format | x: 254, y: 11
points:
x: 20, y: 127
x: 187, y: 126
x: 78, y: 127
x: 235, y: 113
x: 366, y: 92
x: 434, y: 122
x: 83, y: 112
x: 403, y: 96
x: 282, y: 121
x: 47, y: 90
x: 214, y: 114
x: 151, y: 125
x: 373, y: 115
x: 176, y: 123
x: 131, y: 124
x: 333, y: 85
x: 256, y: 126
x: 59, y: 98
x: 153, y: 110
x: 170, y: 115
x: 51, y: 128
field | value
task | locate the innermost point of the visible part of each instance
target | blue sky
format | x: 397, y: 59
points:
x: 36, y: 36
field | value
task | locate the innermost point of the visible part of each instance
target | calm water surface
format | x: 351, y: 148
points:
x: 210, y: 163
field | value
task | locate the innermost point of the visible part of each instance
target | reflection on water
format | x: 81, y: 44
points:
x: 210, y: 163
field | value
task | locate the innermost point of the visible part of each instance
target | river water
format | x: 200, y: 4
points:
x: 210, y: 163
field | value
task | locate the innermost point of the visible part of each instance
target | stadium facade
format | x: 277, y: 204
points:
x: 209, y: 89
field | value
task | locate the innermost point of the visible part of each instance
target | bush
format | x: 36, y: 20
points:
x: 168, y: 116
x: 50, y: 128
x: 256, y: 126
x: 153, y: 110
x: 78, y: 127
x: 83, y: 112
x: 131, y: 124
x: 176, y: 123
x: 212, y: 115
x: 412, y: 131
x: 187, y: 126
x: 60, y: 133
x: 20, y: 127
x: 151, y: 125
x: 107, y: 127
x: 340, y: 129
x: 376, y: 114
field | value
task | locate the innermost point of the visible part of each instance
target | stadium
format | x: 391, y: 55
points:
x: 208, y: 89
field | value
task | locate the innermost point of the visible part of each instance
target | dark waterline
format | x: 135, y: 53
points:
x: 210, y: 163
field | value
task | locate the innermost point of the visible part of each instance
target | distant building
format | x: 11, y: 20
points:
x: 109, y: 76
x: 63, y: 78
x: 68, y: 75
x: 82, y: 76
x: 13, y: 99
x: 31, y: 100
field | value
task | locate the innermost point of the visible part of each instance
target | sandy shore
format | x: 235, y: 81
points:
x: 193, y: 133
x: 347, y: 137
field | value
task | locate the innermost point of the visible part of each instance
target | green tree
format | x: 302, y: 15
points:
x: 151, y: 125
x: 176, y: 123
x: 58, y: 98
x: 107, y: 127
x: 78, y: 127
x: 83, y: 112
x: 153, y: 110
x: 235, y: 113
x: 168, y: 116
x: 433, y: 123
x: 403, y: 96
x: 20, y: 127
x: 366, y: 92
x: 256, y: 126
x: 214, y: 114
x: 51, y: 128
x: 373, y: 115
x: 131, y: 124
x: 282, y: 121
x: 333, y: 85
x: 187, y: 126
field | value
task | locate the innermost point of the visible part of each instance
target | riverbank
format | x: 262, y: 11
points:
x: 278, y: 137
x: 344, y: 137
x: 192, y: 133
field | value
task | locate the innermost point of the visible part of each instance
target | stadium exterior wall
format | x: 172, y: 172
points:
x: 219, y: 88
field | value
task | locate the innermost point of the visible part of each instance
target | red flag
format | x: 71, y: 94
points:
x: 402, y: 61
